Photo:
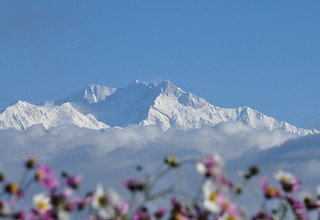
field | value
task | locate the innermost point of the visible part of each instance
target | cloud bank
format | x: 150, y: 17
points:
x: 110, y: 155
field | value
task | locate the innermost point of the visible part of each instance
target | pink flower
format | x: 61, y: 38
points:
x: 298, y: 208
x: 20, y: 216
x: 134, y: 185
x: 269, y: 192
x: 261, y: 215
x: 122, y: 208
x: 141, y: 215
x: 47, y: 177
x: 73, y: 181
x: 178, y: 210
x: 160, y: 213
x: 33, y: 215
x: 48, y: 215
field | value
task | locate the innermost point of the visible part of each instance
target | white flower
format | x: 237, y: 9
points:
x: 284, y: 177
x: 63, y: 215
x: 211, y: 197
x: 5, y: 209
x: 41, y: 202
x: 105, y: 203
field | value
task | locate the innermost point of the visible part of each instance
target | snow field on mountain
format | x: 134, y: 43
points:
x: 164, y: 105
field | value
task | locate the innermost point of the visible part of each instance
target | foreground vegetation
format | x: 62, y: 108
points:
x: 60, y: 196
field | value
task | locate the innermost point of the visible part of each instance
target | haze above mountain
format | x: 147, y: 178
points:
x: 163, y: 105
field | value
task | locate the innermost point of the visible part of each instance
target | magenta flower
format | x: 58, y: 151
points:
x: 261, y: 215
x: 230, y: 210
x: 33, y: 214
x: 71, y: 206
x: 134, y: 185
x: 142, y: 215
x: 20, y: 215
x: 269, y: 192
x: 47, y: 177
x: 298, y: 208
x: 48, y: 215
x: 178, y: 210
x: 122, y: 208
x: 160, y: 213
x: 73, y: 181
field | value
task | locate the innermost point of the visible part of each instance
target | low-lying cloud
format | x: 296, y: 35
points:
x: 113, y: 151
x: 110, y: 156
x: 228, y: 139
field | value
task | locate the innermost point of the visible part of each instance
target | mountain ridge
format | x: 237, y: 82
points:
x: 161, y: 104
x: 22, y: 115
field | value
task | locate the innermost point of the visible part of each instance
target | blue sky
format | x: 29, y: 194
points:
x: 263, y: 54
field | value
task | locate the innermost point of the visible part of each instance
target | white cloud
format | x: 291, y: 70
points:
x: 114, y: 152
x: 110, y: 156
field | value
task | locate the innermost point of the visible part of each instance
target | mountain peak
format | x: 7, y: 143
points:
x: 20, y: 104
x: 139, y: 83
x: 91, y: 93
x: 23, y: 115
x: 168, y: 88
x: 144, y: 103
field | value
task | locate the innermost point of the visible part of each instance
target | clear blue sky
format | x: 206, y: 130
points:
x: 260, y: 53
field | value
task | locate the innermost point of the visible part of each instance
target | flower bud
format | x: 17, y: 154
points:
x: 12, y: 188
x: 30, y: 163
x: 172, y: 161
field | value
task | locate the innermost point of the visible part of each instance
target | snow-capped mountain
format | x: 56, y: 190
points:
x: 22, y: 115
x: 167, y: 106
x: 89, y: 94
x: 163, y: 104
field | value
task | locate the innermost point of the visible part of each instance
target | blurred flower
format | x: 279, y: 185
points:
x: 14, y: 190
x: 30, y: 163
x: 212, y: 198
x: 269, y: 192
x: 42, y: 202
x: 230, y: 211
x: 2, y: 177
x: 288, y: 181
x: 48, y: 215
x: 73, y: 181
x: 47, y: 177
x: 63, y: 215
x: 134, y: 185
x: 142, y: 214
x: 261, y: 215
x: 178, y: 211
x: 19, y: 215
x: 4, y: 208
x: 109, y: 204
x: 310, y: 203
x: 160, y: 213
x: 122, y: 207
x: 172, y: 161
x: 298, y: 208
x: 251, y: 172
x: 210, y: 165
